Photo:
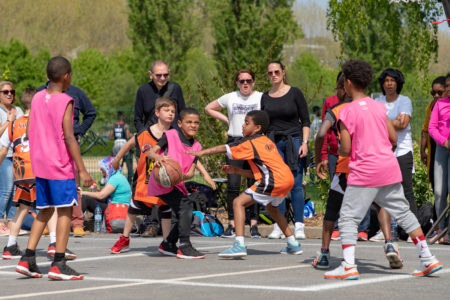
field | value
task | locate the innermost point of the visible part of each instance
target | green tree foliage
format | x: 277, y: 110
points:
x: 398, y: 35
x: 249, y: 34
x: 163, y: 29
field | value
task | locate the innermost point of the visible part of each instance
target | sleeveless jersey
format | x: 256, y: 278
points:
x: 21, y: 158
x: 119, y: 131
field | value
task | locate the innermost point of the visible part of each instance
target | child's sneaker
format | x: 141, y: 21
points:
x: 335, y: 235
x: 254, y: 233
x: 238, y: 250
x: 393, y: 255
x: 295, y: 249
x: 28, y: 267
x: 60, y: 271
x: 322, y: 260
x: 363, y: 236
x: 299, y: 231
x: 12, y: 252
x: 167, y: 248
x: 51, y: 250
x: 189, y: 252
x: 345, y: 271
x: 378, y: 237
x: 121, y: 245
x: 427, y: 266
x: 229, y: 232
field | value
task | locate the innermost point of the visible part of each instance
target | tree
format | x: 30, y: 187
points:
x: 398, y: 35
x: 249, y: 34
x: 163, y: 29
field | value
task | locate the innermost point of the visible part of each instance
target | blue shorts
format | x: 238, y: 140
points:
x: 55, y: 193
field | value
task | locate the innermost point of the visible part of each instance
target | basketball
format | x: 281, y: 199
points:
x: 169, y: 174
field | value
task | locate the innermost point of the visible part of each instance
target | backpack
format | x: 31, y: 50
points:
x: 211, y: 197
x: 115, y: 216
x: 205, y: 225
x: 425, y: 216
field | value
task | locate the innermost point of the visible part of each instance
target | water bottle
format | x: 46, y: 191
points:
x: 98, y: 218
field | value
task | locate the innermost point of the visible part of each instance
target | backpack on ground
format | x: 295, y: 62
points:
x: 205, y: 225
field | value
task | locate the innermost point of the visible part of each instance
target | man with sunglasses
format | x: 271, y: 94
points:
x: 427, y: 144
x: 144, y: 108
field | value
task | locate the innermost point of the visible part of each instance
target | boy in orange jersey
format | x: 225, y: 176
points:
x: 24, y: 179
x: 273, y: 179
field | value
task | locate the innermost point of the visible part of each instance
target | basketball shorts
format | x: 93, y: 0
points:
x: 335, y: 197
x: 25, y: 194
x: 141, y: 208
x: 55, y: 193
x: 264, y: 199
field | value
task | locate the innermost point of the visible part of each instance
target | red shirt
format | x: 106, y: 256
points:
x: 330, y: 138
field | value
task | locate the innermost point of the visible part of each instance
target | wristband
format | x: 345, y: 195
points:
x: 305, y: 142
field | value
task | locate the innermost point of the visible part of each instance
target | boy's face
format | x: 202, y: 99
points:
x: 189, y: 125
x: 166, y: 114
x: 249, y: 128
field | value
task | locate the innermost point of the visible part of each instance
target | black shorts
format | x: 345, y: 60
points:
x: 335, y: 197
x: 140, y: 208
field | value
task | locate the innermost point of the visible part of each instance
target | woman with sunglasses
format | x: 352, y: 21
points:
x: 8, y: 113
x: 238, y: 104
x: 427, y: 144
x: 289, y: 129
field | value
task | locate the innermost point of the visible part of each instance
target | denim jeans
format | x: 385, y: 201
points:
x: 441, y: 181
x: 6, y: 190
x: 298, y: 200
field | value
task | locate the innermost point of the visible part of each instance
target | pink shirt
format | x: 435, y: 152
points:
x: 439, y: 126
x: 372, y: 162
x: 50, y: 157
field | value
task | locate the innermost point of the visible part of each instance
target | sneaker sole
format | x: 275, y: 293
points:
x: 232, y: 255
x: 11, y: 256
x: 56, y: 276
x: 394, y: 261
x: 167, y: 253
x: 292, y: 253
x: 320, y: 267
x: 190, y: 257
x: 126, y: 249
x: 352, y: 276
x: 255, y: 236
x: 434, y: 268
x: 228, y: 236
x: 26, y: 272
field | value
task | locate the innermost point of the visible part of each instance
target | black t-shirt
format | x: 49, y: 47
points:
x: 286, y: 111
x: 163, y: 143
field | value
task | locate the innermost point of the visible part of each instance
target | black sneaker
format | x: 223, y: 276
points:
x: 254, y: 233
x: 52, y: 250
x: 229, y: 232
x: 189, y: 252
x: 28, y: 267
x: 60, y: 271
x: 167, y: 248
x: 12, y: 252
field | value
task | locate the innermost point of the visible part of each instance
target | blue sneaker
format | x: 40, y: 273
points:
x: 292, y: 249
x: 322, y: 260
x: 238, y: 250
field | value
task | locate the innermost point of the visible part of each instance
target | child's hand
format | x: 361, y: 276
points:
x: 115, y: 164
x: 86, y: 179
x: 227, y: 169
x: 322, y: 169
x: 159, y: 159
x: 211, y: 183
x: 194, y: 153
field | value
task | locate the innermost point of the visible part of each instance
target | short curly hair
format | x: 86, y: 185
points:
x: 359, y: 72
x: 260, y: 117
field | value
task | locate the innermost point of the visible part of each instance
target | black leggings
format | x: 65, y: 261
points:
x: 89, y: 203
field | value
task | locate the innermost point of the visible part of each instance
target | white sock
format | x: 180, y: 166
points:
x: 12, y: 240
x: 240, y: 239
x: 348, y: 251
x: 52, y: 237
x: 291, y: 239
x: 422, y: 246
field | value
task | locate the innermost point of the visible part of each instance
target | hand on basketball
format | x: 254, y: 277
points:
x: 86, y: 178
x: 159, y: 159
x: 227, y: 169
x: 322, y: 169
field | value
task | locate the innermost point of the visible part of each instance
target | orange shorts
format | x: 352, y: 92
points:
x: 25, y: 194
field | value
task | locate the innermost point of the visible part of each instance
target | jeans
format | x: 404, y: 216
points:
x: 6, y: 190
x: 298, y: 200
x: 441, y: 181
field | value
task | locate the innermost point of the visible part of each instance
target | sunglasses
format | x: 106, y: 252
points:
x: 440, y: 93
x: 162, y: 75
x: 6, y: 92
x: 242, y: 81
x: 272, y: 73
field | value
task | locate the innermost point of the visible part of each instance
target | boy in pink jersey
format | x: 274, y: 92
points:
x: 366, y: 136
x: 173, y: 144
x: 54, y: 154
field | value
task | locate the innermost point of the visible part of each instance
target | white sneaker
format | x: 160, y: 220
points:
x: 427, y: 266
x: 379, y: 237
x: 299, y: 231
x: 409, y: 240
x: 345, y: 271
x: 276, y: 232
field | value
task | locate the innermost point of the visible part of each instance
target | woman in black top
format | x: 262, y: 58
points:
x: 289, y: 129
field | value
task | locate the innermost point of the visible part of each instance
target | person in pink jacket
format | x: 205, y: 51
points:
x: 439, y: 130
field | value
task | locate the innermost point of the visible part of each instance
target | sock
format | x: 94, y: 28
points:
x: 240, y: 239
x: 12, y: 240
x: 291, y: 239
x: 387, y: 241
x: 52, y: 237
x: 348, y: 252
x: 422, y: 246
x: 324, y: 250
x: 30, y: 253
x: 59, y: 257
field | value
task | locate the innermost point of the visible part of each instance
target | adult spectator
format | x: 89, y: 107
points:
x: 84, y: 106
x: 238, y: 104
x: 8, y: 113
x: 144, y: 108
x: 289, y: 129
x: 427, y: 144
x: 120, y: 133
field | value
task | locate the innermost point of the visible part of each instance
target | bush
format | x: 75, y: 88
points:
x: 421, y: 186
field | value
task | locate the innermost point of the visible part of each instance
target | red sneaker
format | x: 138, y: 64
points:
x: 28, y: 267
x: 363, y: 236
x: 121, y: 245
x: 60, y: 271
x: 335, y: 235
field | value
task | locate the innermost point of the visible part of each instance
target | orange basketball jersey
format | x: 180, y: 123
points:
x: 21, y: 158
x: 343, y: 161
x: 273, y: 176
x: 145, y: 141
